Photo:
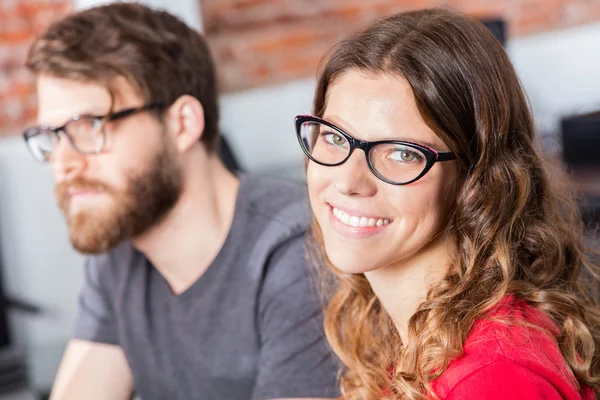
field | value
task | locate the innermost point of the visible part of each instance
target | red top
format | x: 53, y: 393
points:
x: 511, y: 361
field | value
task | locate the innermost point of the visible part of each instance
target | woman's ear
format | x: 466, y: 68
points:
x: 185, y: 122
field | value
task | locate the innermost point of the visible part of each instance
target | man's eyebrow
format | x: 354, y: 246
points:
x: 92, y: 113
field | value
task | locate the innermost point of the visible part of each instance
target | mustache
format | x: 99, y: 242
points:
x: 61, y: 190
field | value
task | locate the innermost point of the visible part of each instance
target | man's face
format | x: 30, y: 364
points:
x: 116, y: 195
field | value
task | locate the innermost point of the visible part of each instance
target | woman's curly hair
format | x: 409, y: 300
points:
x: 515, y: 230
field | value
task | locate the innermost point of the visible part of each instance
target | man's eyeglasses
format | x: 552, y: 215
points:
x: 393, y: 161
x: 86, y: 133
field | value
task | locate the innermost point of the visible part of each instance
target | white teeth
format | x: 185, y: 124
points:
x: 345, y: 218
x: 336, y: 212
x: 355, y: 221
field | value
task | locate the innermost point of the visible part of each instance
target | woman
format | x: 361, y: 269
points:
x: 457, y: 260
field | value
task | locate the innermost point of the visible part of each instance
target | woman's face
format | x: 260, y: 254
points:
x: 377, y: 107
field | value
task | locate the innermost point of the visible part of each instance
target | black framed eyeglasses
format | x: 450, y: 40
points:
x: 86, y: 133
x: 393, y: 161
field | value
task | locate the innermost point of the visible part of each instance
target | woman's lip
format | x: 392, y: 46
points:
x: 353, y: 232
x: 357, y: 213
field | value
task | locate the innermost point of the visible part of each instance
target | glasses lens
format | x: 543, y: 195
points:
x: 86, y: 134
x: 324, y: 144
x: 398, y: 163
x: 41, y: 143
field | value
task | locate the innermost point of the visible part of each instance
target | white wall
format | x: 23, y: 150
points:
x: 558, y: 70
x: 39, y: 264
x: 260, y: 126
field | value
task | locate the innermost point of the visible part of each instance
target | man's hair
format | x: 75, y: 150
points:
x: 158, y: 54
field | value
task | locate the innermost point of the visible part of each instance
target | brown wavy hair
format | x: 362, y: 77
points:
x: 514, y: 230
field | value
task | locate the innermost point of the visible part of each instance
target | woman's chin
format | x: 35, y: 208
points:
x: 350, y: 262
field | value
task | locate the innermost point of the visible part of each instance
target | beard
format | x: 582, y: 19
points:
x: 147, y: 199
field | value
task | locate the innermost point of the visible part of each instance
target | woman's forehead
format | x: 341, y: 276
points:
x: 377, y: 107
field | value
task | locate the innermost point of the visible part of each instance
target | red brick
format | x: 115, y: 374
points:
x: 258, y: 35
x: 297, y: 67
x: 481, y: 9
x: 29, y: 115
x: 15, y: 37
x: 533, y: 16
x: 275, y: 44
x: 20, y: 21
x: 21, y: 90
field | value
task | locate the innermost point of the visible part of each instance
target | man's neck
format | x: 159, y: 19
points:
x: 184, y: 244
x: 401, y: 287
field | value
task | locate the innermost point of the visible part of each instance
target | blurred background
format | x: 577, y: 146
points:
x: 266, y: 52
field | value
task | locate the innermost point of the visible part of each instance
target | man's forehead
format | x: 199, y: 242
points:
x: 59, y: 99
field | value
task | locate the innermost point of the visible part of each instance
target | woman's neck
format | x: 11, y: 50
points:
x: 403, y: 285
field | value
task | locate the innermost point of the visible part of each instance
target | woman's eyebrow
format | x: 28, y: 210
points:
x: 399, y: 138
x: 421, y: 142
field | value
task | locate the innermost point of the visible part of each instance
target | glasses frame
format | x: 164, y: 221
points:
x: 56, y: 130
x: 431, y: 156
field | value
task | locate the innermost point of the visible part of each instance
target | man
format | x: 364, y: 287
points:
x: 196, y: 287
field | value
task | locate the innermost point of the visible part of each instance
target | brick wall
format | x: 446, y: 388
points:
x: 20, y: 21
x: 259, y: 42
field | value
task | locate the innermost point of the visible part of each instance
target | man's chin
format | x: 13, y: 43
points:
x: 93, y: 236
x: 87, y: 243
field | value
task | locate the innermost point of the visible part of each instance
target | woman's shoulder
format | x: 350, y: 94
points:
x: 510, y: 353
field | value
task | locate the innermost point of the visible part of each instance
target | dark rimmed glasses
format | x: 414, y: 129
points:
x: 393, y: 161
x: 86, y: 133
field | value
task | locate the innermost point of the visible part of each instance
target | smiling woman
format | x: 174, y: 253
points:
x: 379, y: 108
x: 453, y: 278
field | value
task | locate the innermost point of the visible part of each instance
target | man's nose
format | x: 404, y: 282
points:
x: 66, y: 161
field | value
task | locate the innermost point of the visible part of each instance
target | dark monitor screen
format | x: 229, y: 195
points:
x: 498, y: 27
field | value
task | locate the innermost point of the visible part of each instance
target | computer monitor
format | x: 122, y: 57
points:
x: 498, y: 27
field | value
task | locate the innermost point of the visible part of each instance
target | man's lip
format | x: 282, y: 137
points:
x: 82, y: 192
x: 357, y: 213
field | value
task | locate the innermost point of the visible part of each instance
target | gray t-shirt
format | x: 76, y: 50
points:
x: 249, y: 328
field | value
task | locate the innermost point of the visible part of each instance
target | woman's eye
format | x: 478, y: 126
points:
x: 404, y: 155
x: 335, y: 139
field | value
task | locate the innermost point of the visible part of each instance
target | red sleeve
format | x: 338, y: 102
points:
x: 506, y: 380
